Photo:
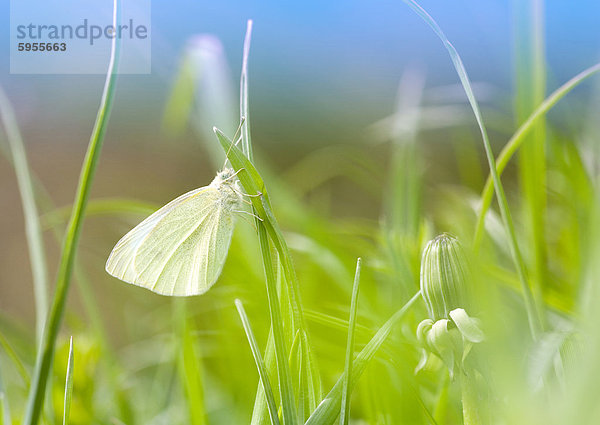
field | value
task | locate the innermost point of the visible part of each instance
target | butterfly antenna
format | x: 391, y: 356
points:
x: 238, y: 132
x: 232, y: 176
x: 237, y: 136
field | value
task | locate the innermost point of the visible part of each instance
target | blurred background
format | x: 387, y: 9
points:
x: 326, y: 79
x: 321, y: 73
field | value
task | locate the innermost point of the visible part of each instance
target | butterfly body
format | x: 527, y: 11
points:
x: 181, y: 248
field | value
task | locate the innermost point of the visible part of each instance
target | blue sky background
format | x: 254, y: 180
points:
x: 315, y: 61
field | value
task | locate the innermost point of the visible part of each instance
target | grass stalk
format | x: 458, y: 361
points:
x: 244, y: 106
x: 281, y: 353
x: 260, y: 412
x: 54, y: 218
x: 268, y: 228
x: 346, y: 391
x: 33, y: 230
x: 45, y: 355
x: 5, y: 417
x: 260, y: 364
x: 190, y: 367
x: 534, y: 317
x: 531, y: 88
x: 518, y: 139
x: 261, y: 401
x: 253, y: 184
x: 17, y: 363
x: 329, y: 408
x: 68, y: 386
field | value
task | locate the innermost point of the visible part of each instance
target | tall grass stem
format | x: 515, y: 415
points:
x: 346, y: 391
x: 532, y: 313
x: 260, y: 364
x: 45, y: 354
x: 517, y: 140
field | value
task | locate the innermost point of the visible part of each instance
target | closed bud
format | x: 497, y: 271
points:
x: 444, y: 276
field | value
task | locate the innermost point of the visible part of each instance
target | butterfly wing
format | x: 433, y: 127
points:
x: 178, y: 250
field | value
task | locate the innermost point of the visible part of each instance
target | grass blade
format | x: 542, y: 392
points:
x: 12, y: 355
x: 54, y: 218
x: 253, y: 183
x: 260, y: 364
x: 244, y: 107
x: 533, y: 314
x: 260, y: 414
x: 5, y: 417
x: 190, y: 370
x: 45, y: 355
x: 99, y: 207
x: 519, y: 137
x: 269, y: 227
x: 329, y: 408
x: 246, y: 155
x: 346, y: 392
x: 68, y: 386
x: 33, y: 231
x: 530, y: 76
x: 281, y: 353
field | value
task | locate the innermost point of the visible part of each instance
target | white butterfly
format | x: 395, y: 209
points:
x: 181, y: 248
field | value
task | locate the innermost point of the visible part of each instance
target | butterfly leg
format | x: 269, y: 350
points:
x: 247, y: 212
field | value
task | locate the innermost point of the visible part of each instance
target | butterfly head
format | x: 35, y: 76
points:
x: 226, y: 176
x: 228, y: 185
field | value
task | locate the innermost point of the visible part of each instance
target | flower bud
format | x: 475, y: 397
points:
x: 444, y: 276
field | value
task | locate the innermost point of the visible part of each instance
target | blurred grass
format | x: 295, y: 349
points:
x: 189, y: 361
x: 33, y: 231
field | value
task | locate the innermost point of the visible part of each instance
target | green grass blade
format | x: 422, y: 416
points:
x: 12, y: 355
x: 533, y: 314
x: 45, y: 355
x: 346, y: 391
x: 519, y: 137
x: 313, y: 380
x: 5, y: 417
x: 33, y: 231
x: 253, y: 183
x: 281, y: 353
x: 261, y: 403
x: 99, y: 207
x: 260, y: 364
x: 189, y: 367
x: 329, y: 408
x: 68, y: 386
x: 256, y: 185
x: 530, y: 76
x: 336, y: 323
x: 262, y: 208
x: 54, y: 218
x: 244, y: 107
x: 260, y: 413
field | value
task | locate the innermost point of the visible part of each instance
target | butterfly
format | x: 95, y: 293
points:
x: 181, y: 248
